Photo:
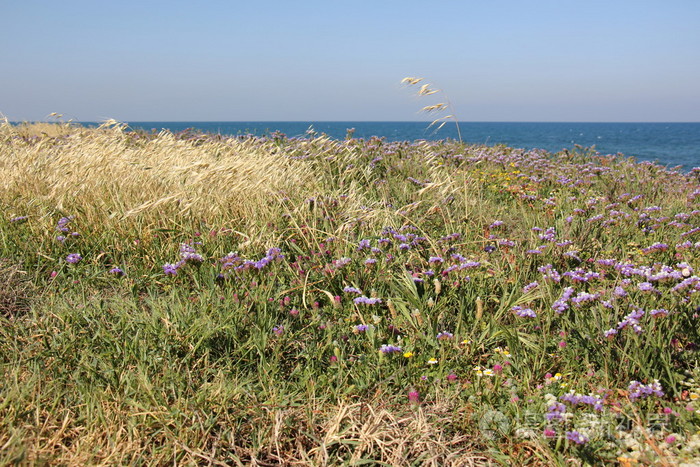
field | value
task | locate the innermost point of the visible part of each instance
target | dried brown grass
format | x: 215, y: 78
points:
x: 343, y: 434
x: 110, y: 175
x: 16, y: 291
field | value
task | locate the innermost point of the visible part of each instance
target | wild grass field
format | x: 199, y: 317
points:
x: 200, y: 299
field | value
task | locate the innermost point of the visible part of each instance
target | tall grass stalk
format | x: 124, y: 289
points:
x: 437, y: 108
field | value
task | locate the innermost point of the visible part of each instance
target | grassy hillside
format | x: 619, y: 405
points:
x: 198, y: 299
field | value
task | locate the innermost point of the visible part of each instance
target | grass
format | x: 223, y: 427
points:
x: 202, y: 299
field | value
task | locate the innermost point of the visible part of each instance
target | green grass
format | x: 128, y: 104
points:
x: 256, y: 350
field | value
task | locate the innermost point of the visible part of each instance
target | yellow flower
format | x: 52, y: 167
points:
x: 432, y: 361
x: 408, y: 354
x: 694, y: 396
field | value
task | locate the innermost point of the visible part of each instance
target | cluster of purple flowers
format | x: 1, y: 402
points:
x: 170, y: 269
x: 73, y: 258
x: 62, y: 226
x: 444, y: 335
x: 342, y: 262
x: 638, y: 390
x: 524, y: 312
x: 580, y: 275
x: 647, y: 287
x: 233, y: 261
x: 549, y: 235
x: 367, y: 300
x: 450, y: 237
x: 188, y: 254
x: 363, y: 245
x: 692, y: 281
x: 556, y: 411
x: 659, y: 312
x: 549, y: 273
x: 584, y: 297
x: 388, y: 348
x: 632, y: 320
x: 562, y: 303
x: 406, y: 241
x: 576, y: 437
x: 657, y: 246
x: 579, y: 399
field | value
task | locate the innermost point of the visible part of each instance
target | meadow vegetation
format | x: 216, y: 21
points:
x: 202, y: 299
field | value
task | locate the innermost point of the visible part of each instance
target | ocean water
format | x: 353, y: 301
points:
x: 669, y: 144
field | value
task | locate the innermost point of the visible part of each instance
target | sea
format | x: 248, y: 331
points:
x: 669, y: 144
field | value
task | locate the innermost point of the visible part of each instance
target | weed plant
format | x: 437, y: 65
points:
x: 202, y: 299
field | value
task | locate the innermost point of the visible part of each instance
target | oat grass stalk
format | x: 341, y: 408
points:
x: 437, y: 108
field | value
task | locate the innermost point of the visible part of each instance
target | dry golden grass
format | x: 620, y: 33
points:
x: 344, y: 434
x: 15, y: 289
x: 43, y: 129
x: 113, y: 176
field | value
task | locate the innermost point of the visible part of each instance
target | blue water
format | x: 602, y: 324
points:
x: 669, y: 144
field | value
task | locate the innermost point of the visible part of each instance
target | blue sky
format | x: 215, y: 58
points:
x: 497, y: 60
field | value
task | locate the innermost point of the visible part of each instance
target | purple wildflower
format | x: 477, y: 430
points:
x: 585, y: 297
x: 646, y: 287
x: 549, y: 273
x: 367, y: 301
x: 638, y: 390
x: 524, y: 312
x: 574, y: 399
x: 660, y: 312
x: 170, y: 269
x: 444, y: 335
x: 632, y: 320
x: 73, y: 258
x: 364, y: 244
x: 576, y: 437
x: 549, y: 235
x: 388, y: 348
x: 555, y: 411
